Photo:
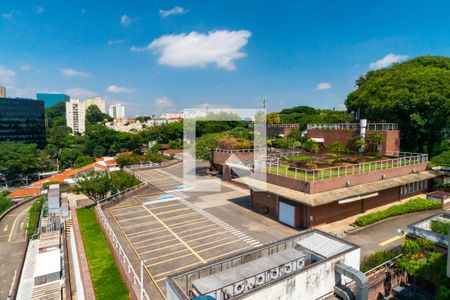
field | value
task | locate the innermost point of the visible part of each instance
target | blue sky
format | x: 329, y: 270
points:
x: 156, y: 56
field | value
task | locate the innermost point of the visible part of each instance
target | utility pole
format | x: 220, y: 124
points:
x: 264, y: 103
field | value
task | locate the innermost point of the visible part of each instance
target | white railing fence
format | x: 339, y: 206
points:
x: 353, y: 126
x: 131, y: 273
x: 275, y: 166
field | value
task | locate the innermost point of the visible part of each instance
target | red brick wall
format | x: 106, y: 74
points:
x: 265, y: 201
x: 340, y: 182
x: 391, y: 138
x: 333, y: 212
x: 384, y: 197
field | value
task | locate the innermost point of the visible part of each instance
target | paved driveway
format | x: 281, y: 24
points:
x: 383, y: 235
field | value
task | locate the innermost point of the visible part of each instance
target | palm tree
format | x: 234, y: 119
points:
x: 360, y: 144
x: 376, y: 140
x: 337, y: 147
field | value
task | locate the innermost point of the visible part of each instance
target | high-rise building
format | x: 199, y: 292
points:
x: 75, y: 116
x: 51, y: 99
x: 22, y: 120
x: 97, y: 101
x: 2, y: 92
x: 117, y: 111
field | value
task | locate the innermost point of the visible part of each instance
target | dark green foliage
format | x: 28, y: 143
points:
x: 99, y: 185
x: 440, y: 227
x: 5, y: 203
x: 94, y: 115
x: 18, y: 160
x: 106, y: 279
x: 205, y: 144
x: 33, y: 216
x: 305, y: 114
x: 143, y: 119
x: 415, y: 94
x: 413, y: 205
x: 83, y: 160
x: 56, y: 114
x: 377, y: 259
x: 163, y: 133
x: 442, y: 159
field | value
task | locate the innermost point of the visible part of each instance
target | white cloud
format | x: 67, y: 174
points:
x: 26, y: 67
x: 163, y: 102
x: 27, y: 92
x: 323, y: 86
x: 74, y: 73
x: 195, y: 49
x: 78, y: 92
x: 127, y: 20
x: 39, y: 10
x: 387, y: 61
x: 177, y: 10
x: 341, y: 107
x: 138, y: 49
x: 115, y: 42
x: 119, y: 89
x: 6, y: 76
x: 9, y: 15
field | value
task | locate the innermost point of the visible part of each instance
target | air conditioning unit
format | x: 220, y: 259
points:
x: 300, y: 263
x: 260, y: 279
x: 239, y: 287
x: 274, y: 273
x: 288, y: 268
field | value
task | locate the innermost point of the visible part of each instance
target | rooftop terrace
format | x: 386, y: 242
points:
x: 353, y: 126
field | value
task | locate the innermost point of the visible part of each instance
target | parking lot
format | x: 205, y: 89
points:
x: 172, y: 228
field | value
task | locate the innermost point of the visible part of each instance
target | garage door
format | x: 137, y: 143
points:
x: 286, y: 214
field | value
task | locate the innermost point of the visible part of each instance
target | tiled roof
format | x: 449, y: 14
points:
x: 28, y: 191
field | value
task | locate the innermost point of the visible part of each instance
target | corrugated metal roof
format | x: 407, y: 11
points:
x: 337, y: 194
x: 323, y: 245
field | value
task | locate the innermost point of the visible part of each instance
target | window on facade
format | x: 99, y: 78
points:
x: 413, y: 187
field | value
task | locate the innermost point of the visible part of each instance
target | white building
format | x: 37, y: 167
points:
x: 75, y: 116
x: 2, y: 92
x: 168, y: 116
x: 97, y: 101
x: 117, y: 111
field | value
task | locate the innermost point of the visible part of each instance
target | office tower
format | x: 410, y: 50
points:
x: 75, y: 116
x: 117, y: 111
x: 98, y: 101
x: 51, y: 99
x: 22, y: 120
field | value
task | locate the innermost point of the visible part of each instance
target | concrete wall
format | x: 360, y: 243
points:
x: 391, y: 138
x: 312, y: 283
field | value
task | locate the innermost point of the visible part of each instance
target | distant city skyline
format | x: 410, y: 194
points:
x: 156, y: 57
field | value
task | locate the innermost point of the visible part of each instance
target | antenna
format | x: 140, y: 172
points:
x: 264, y: 103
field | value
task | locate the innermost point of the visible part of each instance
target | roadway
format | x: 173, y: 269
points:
x: 12, y: 247
x: 383, y: 235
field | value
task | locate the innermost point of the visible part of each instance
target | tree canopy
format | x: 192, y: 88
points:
x: 94, y: 115
x: 415, y: 94
x: 305, y: 114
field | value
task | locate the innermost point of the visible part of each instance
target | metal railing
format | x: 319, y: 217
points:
x: 274, y: 166
x: 142, y: 166
x: 353, y: 126
x: 121, y: 253
x: 251, y: 125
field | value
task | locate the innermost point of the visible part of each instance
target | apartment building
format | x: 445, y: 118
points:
x: 75, y: 116
x: 117, y: 111
x: 97, y: 101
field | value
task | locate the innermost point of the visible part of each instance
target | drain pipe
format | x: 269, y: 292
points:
x: 362, y: 291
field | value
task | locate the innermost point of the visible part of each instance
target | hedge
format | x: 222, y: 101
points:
x: 377, y: 259
x: 440, y: 227
x: 33, y: 216
x: 413, y: 205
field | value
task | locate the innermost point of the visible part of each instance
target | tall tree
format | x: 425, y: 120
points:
x: 415, y: 94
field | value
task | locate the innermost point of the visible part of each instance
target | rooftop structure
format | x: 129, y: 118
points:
x: 304, y: 189
x: 117, y: 111
x: 300, y: 267
x: 425, y: 229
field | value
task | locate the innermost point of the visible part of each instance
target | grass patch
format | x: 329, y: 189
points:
x: 440, y: 227
x: 5, y: 203
x: 377, y: 259
x: 33, y: 216
x: 413, y: 205
x: 104, y: 272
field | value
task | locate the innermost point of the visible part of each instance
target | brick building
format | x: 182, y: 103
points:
x: 305, y: 197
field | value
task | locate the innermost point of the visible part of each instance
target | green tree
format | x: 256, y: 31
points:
x: 273, y: 118
x: 68, y: 157
x: 304, y: 115
x: 56, y: 114
x: 375, y: 140
x: 206, y: 143
x: 99, y: 185
x: 296, y: 135
x: 442, y: 159
x: 415, y: 94
x: 19, y: 160
x: 83, y: 160
x: 337, y: 148
x: 94, y: 115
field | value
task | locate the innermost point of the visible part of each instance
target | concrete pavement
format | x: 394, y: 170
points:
x: 383, y: 235
x: 12, y: 247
